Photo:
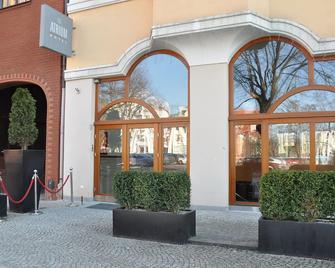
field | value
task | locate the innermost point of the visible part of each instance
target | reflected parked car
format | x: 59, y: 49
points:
x: 170, y: 159
x: 182, y: 159
x: 274, y: 163
x: 141, y: 160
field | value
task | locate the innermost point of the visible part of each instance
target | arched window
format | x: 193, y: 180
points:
x: 142, y: 119
x: 161, y: 80
x: 266, y: 71
x: 308, y: 101
x: 282, y: 113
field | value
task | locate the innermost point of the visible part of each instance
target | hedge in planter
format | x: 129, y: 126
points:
x: 298, y: 209
x: 156, y: 202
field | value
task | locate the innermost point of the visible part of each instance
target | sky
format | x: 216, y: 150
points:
x: 169, y: 78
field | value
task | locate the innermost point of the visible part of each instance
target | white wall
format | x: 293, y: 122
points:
x: 209, y: 156
x: 79, y: 136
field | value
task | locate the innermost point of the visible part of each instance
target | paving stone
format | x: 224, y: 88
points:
x: 81, y: 237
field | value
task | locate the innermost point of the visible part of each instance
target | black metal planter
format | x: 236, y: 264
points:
x: 19, y: 167
x: 156, y: 226
x: 3, y: 205
x: 297, y: 238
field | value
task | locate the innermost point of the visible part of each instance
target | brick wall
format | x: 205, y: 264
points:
x: 21, y: 60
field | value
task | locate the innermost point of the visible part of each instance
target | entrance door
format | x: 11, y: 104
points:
x: 109, y: 158
x: 123, y: 147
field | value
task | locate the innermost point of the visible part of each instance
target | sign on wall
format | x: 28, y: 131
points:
x: 55, y: 31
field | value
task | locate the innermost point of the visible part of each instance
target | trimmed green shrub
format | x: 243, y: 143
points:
x: 297, y: 195
x: 154, y: 191
x: 22, y: 127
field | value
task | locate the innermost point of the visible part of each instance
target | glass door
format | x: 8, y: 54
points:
x: 123, y: 147
x: 109, y: 158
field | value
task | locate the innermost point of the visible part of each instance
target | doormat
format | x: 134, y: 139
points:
x: 105, y: 206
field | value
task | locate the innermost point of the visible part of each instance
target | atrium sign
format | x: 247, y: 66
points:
x: 56, y: 31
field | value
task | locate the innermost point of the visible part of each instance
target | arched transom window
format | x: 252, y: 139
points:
x: 282, y: 113
x: 142, y: 119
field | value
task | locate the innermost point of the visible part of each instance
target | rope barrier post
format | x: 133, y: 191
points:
x: 36, y: 212
x: 72, y: 204
x: 2, y: 218
x: 71, y: 181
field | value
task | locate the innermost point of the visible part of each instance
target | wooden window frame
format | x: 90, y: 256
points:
x: 13, y: 5
x: 268, y: 118
x: 156, y: 122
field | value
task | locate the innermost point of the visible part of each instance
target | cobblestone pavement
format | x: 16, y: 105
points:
x: 227, y: 227
x: 81, y: 237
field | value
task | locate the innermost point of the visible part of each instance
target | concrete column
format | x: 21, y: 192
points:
x: 79, y: 136
x: 209, y: 155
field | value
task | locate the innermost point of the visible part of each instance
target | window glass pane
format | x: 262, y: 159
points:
x: 289, y: 146
x: 110, y: 158
x: 175, y: 149
x: 8, y: 3
x: 110, y: 91
x: 141, y: 148
x: 325, y: 146
x: 308, y: 101
x: 161, y: 81
x: 248, y: 162
x: 324, y: 72
x: 265, y: 72
x: 126, y: 111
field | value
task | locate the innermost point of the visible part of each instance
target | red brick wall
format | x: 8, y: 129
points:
x: 21, y: 59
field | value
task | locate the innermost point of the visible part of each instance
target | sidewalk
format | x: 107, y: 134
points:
x: 229, y: 228
x: 83, y: 237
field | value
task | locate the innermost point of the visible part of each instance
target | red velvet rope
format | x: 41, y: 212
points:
x: 53, y: 191
x: 4, y: 188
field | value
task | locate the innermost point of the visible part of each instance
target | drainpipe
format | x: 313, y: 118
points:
x: 62, y: 125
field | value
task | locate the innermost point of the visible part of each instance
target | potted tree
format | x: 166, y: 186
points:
x: 154, y: 206
x: 20, y: 163
x: 298, y: 213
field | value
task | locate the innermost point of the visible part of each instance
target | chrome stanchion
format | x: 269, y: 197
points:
x: 2, y: 218
x: 36, y: 212
x: 72, y: 204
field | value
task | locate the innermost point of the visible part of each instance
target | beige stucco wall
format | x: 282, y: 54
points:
x: 102, y: 34
x: 317, y: 16
x: 183, y: 10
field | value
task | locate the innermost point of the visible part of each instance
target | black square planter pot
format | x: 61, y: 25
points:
x: 156, y: 226
x: 3, y: 205
x: 297, y: 238
x: 19, y: 167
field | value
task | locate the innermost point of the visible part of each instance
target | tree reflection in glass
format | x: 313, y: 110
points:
x: 265, y: 72
x: 141, y: 148
x: 324, y: 72
x: 289, y: 146
x: 161, y: 80
x: 175, y: 149
x: 308, y: 101
x: 126, y: 111
x: 325, y: 146
x: 110, y: 91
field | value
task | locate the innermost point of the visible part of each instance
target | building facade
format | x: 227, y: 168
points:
x: 224, y: 90
x: 23, y: 63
